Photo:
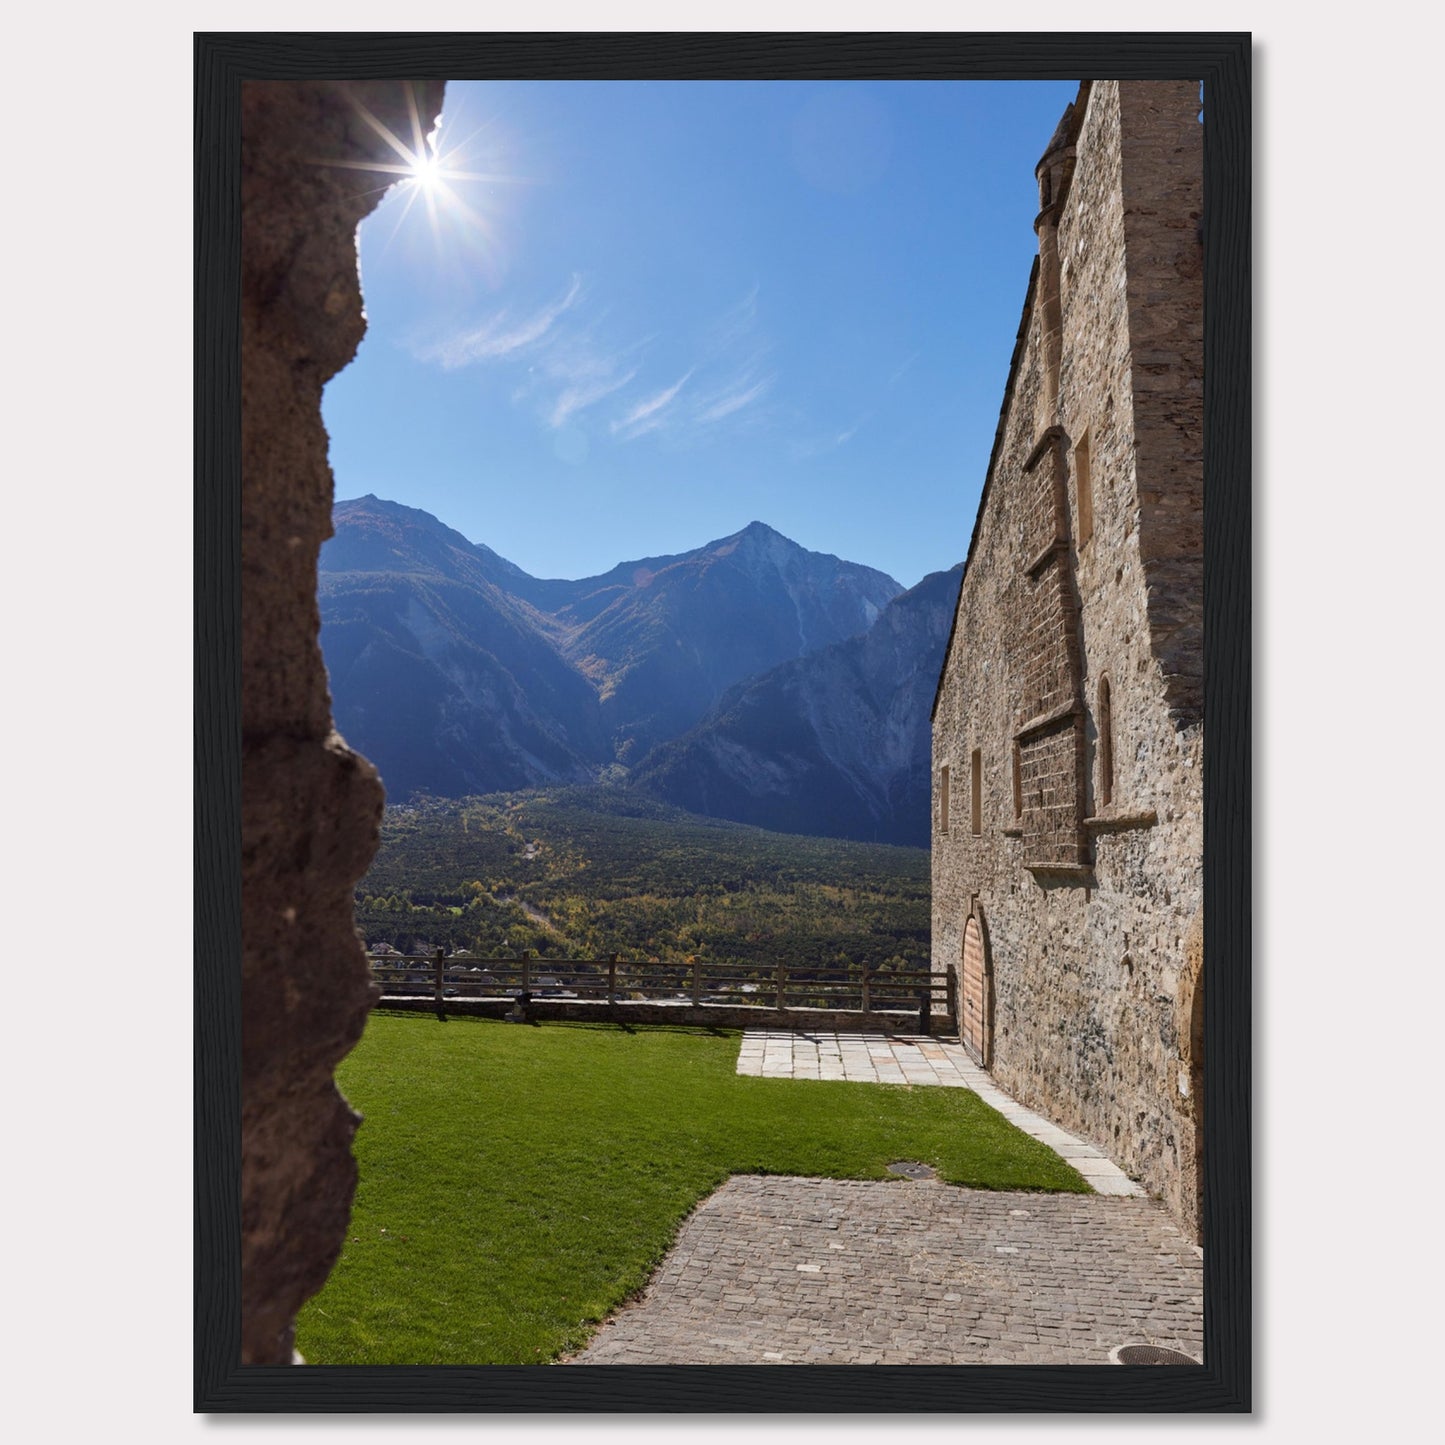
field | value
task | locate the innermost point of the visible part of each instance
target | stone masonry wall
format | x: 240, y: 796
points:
x: 1164, y: 207
x: 310, y: 808
x: 1090, y: 963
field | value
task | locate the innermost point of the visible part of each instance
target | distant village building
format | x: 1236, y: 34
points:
x: 1068, y: 724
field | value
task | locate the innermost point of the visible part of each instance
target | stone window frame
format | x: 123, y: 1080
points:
x: 1018, y: 781
x: 975, y: 792
x: 943, y: 798
x: 1083, y: 469
x: 1104, y: 746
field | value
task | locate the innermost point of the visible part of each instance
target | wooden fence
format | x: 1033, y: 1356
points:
x: 860, y: 987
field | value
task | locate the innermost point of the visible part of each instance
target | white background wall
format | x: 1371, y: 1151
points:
x: 97, y: 354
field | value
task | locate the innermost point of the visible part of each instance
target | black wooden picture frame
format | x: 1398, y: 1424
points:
x: 1222, y: 62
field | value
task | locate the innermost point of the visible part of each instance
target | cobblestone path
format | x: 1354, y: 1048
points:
x: 824, y: 1271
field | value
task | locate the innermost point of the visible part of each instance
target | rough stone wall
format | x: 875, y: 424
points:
x: 1087, y: 907
x: 1163, y: 169
x: 310, y: 808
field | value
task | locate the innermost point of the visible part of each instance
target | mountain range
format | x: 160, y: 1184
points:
x: 749, y: 678
x: 835, y: 743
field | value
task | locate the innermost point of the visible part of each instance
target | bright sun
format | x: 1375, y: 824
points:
x: 426, y: 170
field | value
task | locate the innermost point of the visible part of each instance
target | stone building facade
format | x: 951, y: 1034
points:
x: 1068, y: 724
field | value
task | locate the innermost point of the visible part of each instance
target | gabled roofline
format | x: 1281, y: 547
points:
x: 1008, y: 395
x: 1078, y: 106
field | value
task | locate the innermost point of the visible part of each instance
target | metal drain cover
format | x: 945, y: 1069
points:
x: 910, y: 1170
x: 1150, y: 1355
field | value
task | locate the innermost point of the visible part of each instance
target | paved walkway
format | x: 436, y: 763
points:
x: 918, y: 1059
x: 827, y: 1271
x: 773, y: 1270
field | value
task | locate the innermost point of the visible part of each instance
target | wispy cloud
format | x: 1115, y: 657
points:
x: 735, y: 325
x: 648, y: 415
x: 563, y: 363
x: 583, y: 392
x: 562, y: 366
x: 733, y: 399
x: 816, y: 446
x: 501, y: 335
x: 730, y: 367
x: 901, y: 370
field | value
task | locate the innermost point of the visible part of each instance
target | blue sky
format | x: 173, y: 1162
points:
x: 644, y: 314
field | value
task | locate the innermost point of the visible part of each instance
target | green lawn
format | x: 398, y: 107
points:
x: 518, y: 1183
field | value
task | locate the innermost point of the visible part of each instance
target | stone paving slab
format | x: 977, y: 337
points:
x: 773, y: 1270
x: 925, y: 1061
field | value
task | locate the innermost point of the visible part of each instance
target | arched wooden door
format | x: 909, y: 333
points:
x: 975, y: 1020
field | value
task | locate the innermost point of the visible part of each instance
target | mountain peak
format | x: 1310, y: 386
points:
x: 455, y: 671
x: 756, y: 534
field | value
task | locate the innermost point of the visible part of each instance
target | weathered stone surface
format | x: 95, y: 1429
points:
x: 1188, y: 1093
x: 1086, y: 873
x: 310, y: 808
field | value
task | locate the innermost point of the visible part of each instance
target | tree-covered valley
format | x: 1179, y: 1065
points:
x: 584, y: 872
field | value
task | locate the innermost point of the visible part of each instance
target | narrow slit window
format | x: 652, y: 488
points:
x: 943, y: 799
x: 1084, y: 486
x: 1106, y: 744
x: 976, y: 792
x: 1018, y: 772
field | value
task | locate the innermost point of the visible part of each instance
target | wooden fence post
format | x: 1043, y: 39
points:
x: 697, y: 983
x: 782, y: 981
x: 441, y: 970
x: 867, y: 993
x: 612, y: 980
x: 526, y: 970
x: 953, y: 1025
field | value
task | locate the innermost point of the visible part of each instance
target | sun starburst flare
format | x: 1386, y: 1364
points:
x: 425, y: 169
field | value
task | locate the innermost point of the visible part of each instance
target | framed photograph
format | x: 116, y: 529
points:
x: 1058, y: 793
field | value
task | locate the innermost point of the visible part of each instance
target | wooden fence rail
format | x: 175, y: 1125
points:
x: 856, y: 986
